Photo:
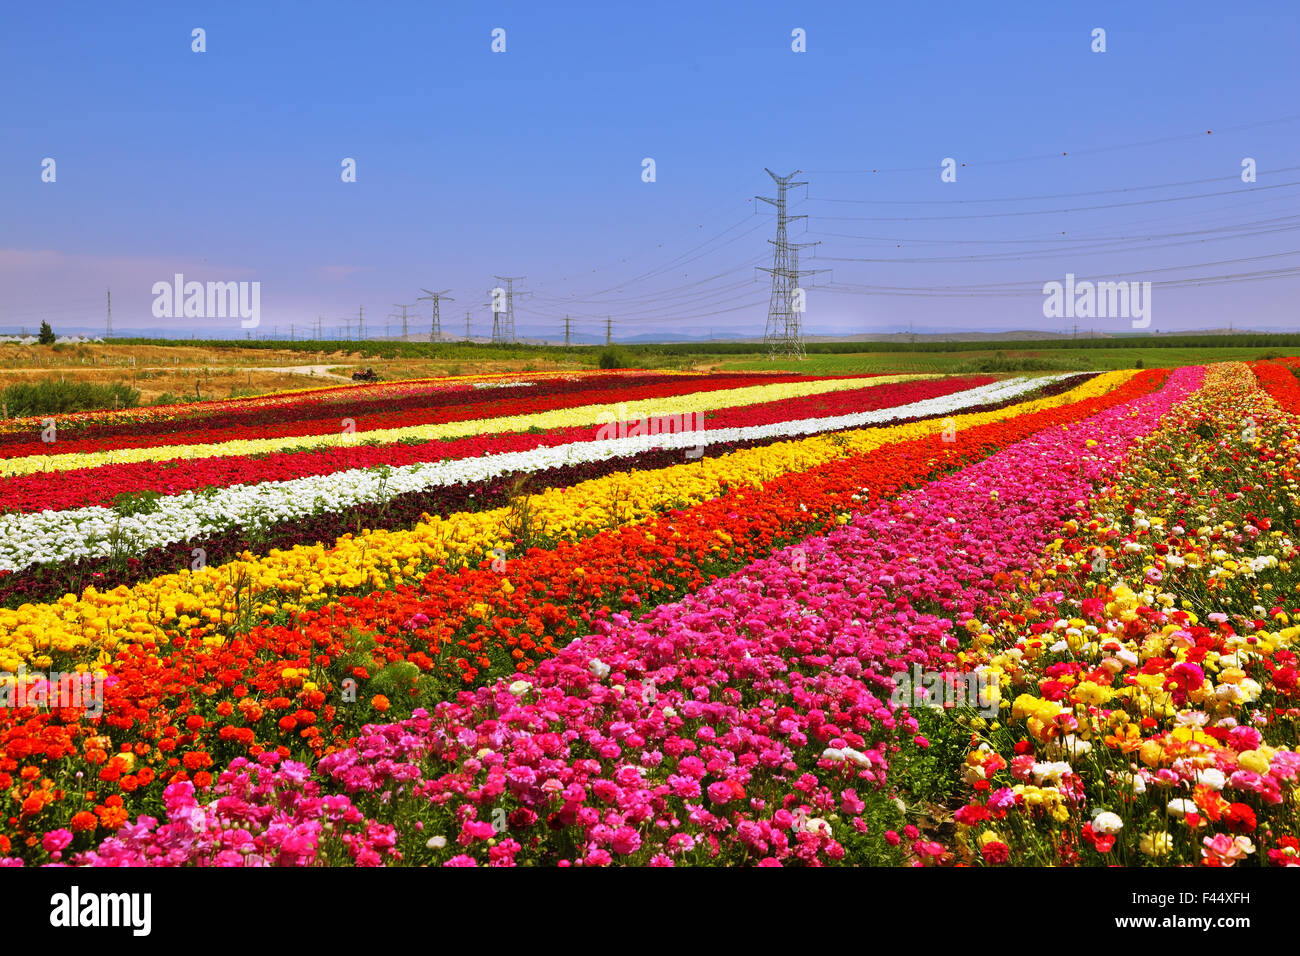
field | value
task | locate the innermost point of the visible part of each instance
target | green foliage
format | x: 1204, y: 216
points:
x: 932, y: 775
x: 136, y: 503
x: 395, y: 680
x: 168, y: 398
x: 47, y: 334
x: 54, y: 396
x: 1000, y: 363
x: 615, y: 356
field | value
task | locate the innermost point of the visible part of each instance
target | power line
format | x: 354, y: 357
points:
x: 1031, y: 240
x: 1075, y: 195
x: 1025, y: 287
x: 1050, y: 212
x: 1093, y: 249
x: 1065, y: 153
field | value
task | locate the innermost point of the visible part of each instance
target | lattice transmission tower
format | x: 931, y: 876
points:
x: 503, y: 322
x: 435, y: 327
x: 783, y: 335
x: 401, y: 315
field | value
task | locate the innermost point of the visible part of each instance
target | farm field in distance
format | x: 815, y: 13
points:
x: 178, y: 373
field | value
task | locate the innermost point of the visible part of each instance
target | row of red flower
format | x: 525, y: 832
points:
x: 1279, y: 380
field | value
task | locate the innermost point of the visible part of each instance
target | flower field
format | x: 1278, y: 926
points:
x: 660, y: 618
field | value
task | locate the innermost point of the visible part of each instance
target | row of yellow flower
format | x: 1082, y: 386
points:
x: 308, y: 576
x: 556, y: 418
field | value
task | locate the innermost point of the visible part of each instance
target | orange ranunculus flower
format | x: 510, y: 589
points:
x: 111, y: 818
x: 196, y: 760
x: 379, y: 702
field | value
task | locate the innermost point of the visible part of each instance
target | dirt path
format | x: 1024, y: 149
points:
x: 313, y: 371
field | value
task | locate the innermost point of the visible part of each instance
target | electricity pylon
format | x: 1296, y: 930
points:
x: 783, y: 335
x: 799, y: 294
x: 435, y: 329
x: 394, y: 315
x: 504, y: 330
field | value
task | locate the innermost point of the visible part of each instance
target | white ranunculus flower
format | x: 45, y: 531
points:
x: 1051, y: 772
x: 1211, y: 777
x: 1107, y: 822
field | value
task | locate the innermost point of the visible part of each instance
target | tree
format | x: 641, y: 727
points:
x: 615, y: 357
x: 47, y: 334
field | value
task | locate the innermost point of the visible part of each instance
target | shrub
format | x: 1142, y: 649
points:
x: 615, y: 357
x: 53, y: 396
x: 47, y: 334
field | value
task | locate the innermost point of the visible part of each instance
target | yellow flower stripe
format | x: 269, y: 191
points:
x: 556, y: 418
x: 307, y: 576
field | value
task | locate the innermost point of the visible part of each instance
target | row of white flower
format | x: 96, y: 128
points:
x: 50, y: 536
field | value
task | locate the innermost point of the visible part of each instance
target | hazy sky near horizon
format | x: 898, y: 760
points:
x: 226, y: 165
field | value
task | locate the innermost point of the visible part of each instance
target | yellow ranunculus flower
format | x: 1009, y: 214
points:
x: 1254, y: 761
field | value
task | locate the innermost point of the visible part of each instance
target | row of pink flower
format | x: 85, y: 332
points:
x: 728, y: 727
x: 267, y: 813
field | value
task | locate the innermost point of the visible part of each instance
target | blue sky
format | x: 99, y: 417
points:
x: 225, y: 165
